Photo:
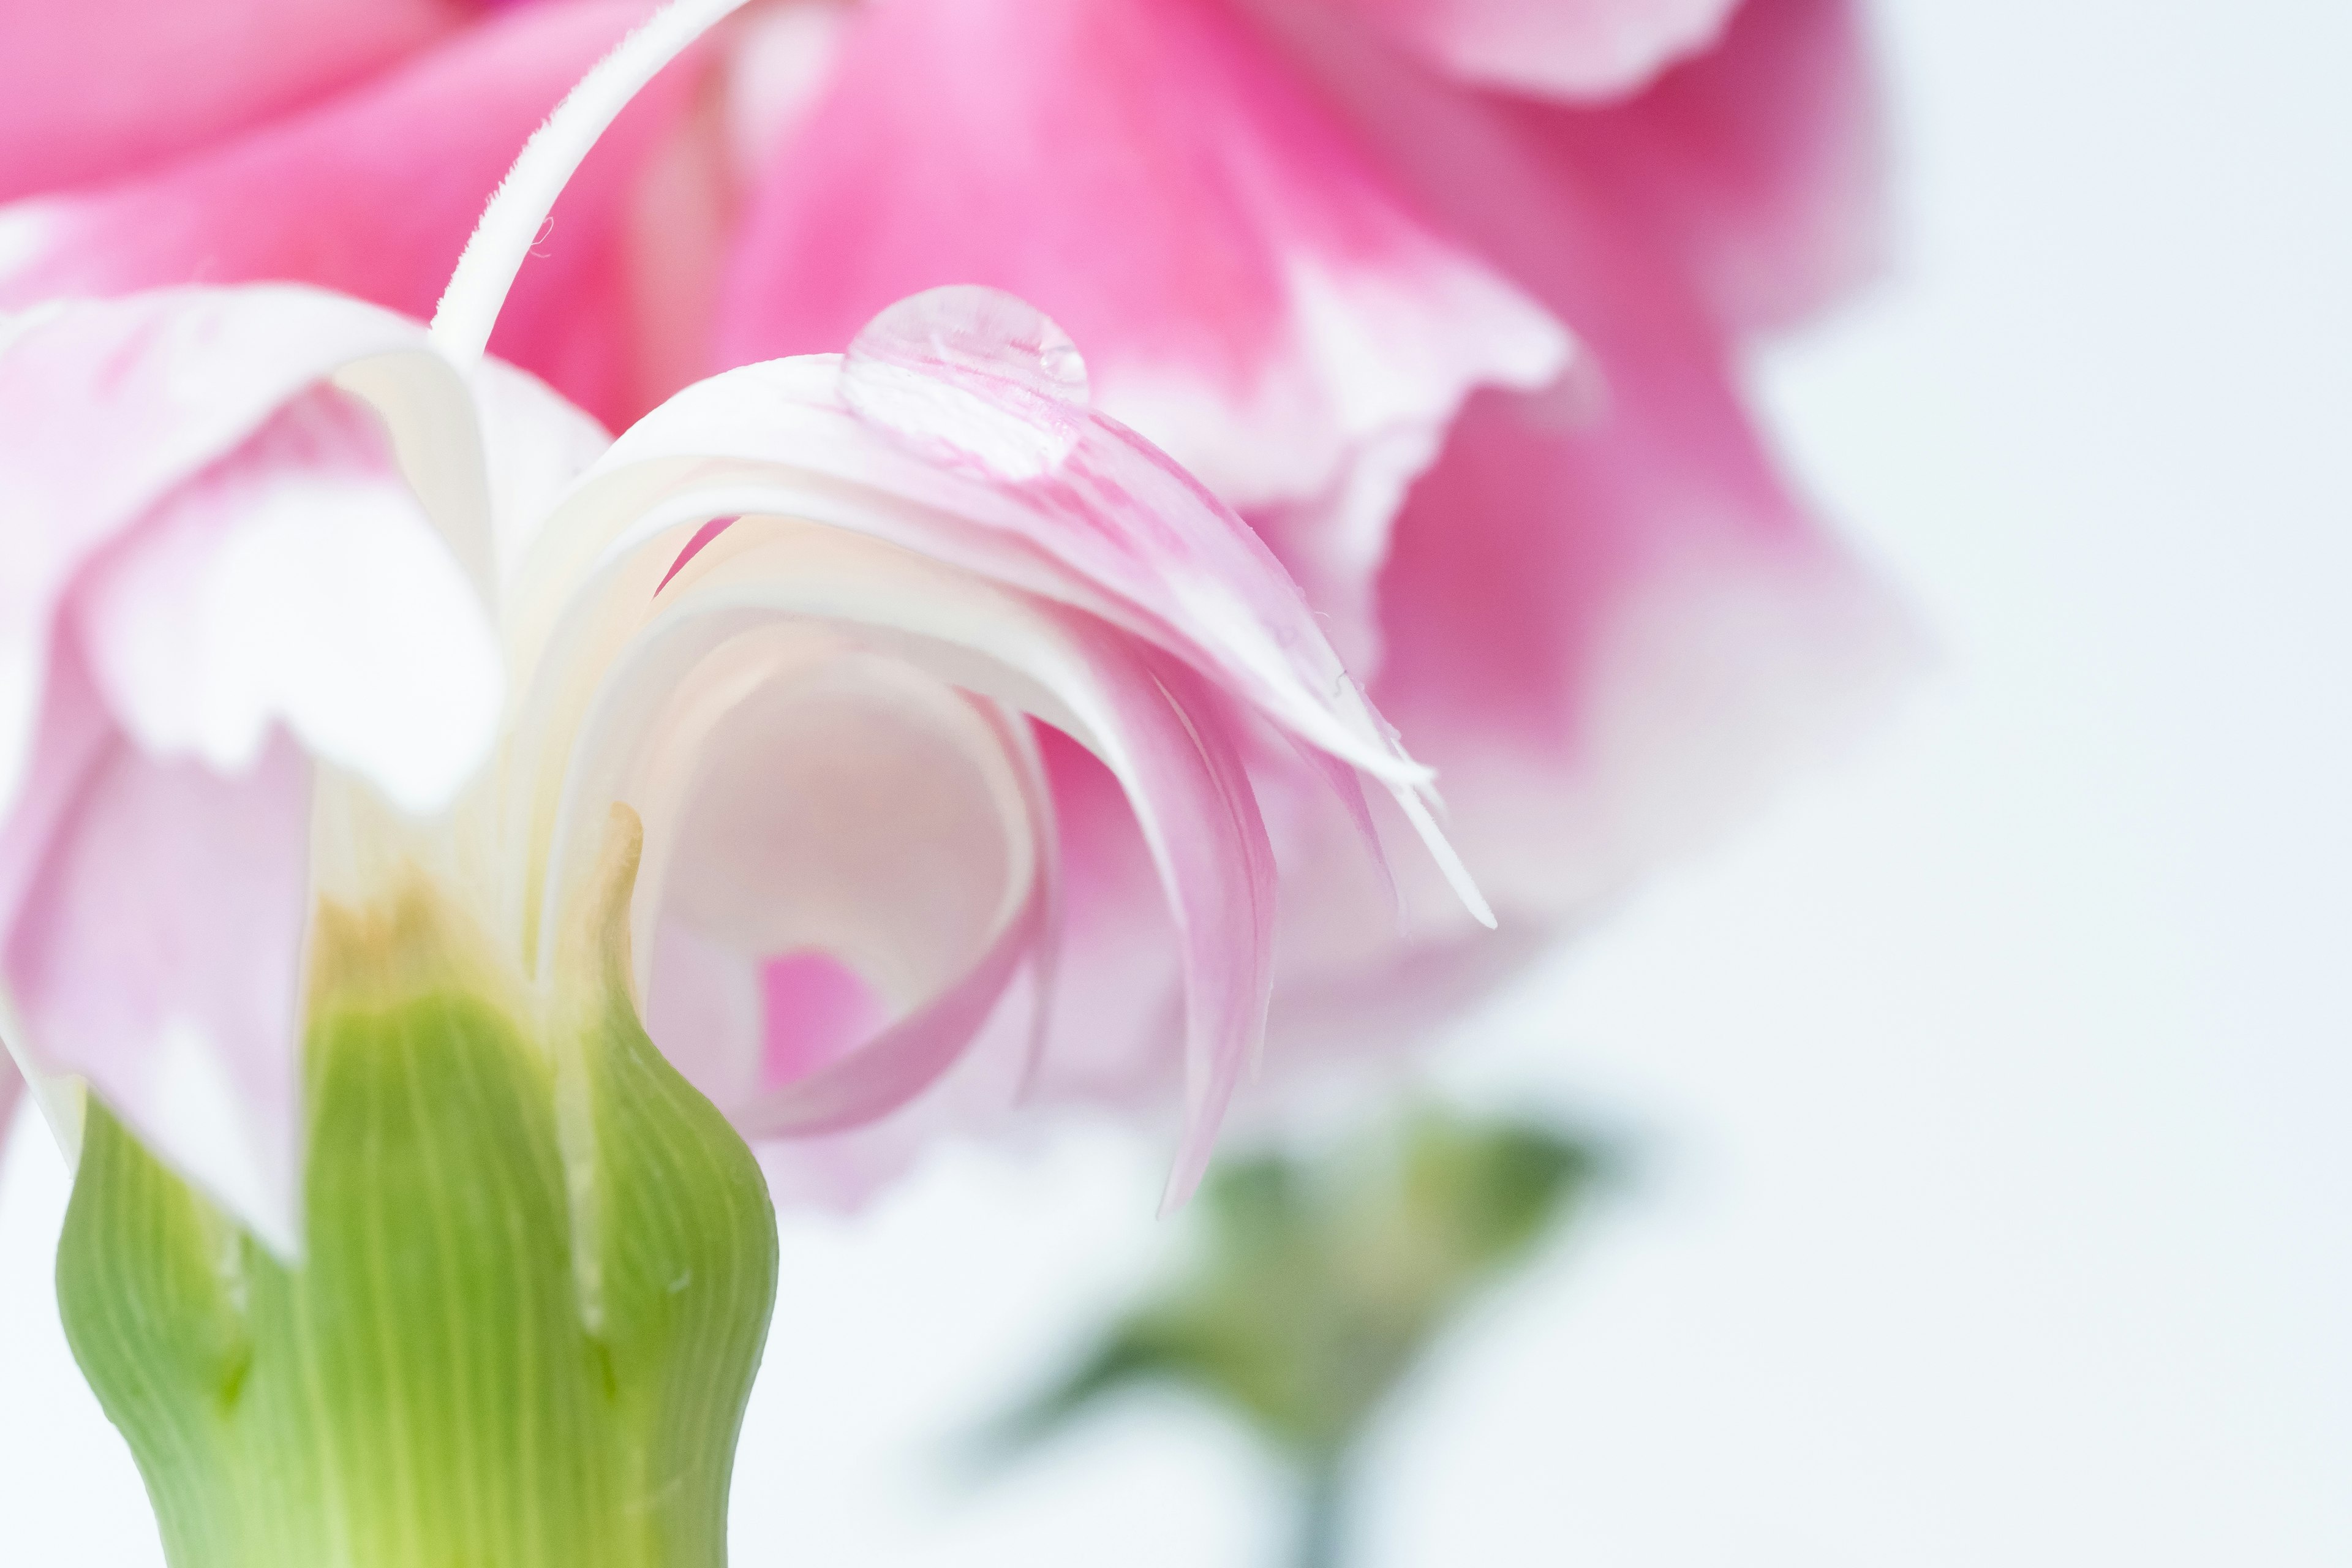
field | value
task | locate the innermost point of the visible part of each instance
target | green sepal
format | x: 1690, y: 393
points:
x: 476, y: 1363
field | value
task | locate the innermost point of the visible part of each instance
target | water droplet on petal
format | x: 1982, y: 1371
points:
x: 971, y: 376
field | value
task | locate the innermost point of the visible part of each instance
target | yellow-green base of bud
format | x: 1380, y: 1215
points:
x: 490, y: 1354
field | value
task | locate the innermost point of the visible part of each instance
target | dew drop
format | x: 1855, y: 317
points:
x: 972, y: 376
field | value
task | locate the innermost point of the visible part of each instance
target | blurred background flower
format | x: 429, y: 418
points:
x: 1313, y: 1285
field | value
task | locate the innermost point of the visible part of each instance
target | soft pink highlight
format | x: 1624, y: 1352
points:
x: 815, y: 1010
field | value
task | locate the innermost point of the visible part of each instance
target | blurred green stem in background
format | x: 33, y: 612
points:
x: 1314, y: 1286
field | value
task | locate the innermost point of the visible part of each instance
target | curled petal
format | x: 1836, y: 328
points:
x: 827, y: 590
x: 1669, y: 629
x: 1251, y: 295
x: 833, y: 1058
x: 1110, y: 526
x: 1760, y: 163
x: 882, y: 1069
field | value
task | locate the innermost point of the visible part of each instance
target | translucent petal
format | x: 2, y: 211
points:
x: 815, y: 592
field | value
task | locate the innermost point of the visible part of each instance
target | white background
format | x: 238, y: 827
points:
x: 1993, y: 1089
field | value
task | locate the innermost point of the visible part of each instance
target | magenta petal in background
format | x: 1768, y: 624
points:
x: 157, y: 954
x: 1760, y: 163
x: 1608, y: 627
x: 373, y: 193
x: 94, y: 88
x: 1248, y: 292
x: 1564, y: 48
x: 102, y: 418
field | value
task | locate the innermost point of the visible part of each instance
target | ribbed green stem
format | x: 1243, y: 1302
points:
x: 439, y: 1382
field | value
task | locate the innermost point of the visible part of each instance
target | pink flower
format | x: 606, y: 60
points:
x: 1443, y: 296
x: 270, y: 557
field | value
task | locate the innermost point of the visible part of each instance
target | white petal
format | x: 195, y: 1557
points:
x: 299, y: 582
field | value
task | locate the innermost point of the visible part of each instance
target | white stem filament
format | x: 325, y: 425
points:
x: 510, y: 225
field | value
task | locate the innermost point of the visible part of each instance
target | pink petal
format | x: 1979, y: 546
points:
x: 1249, y: 294
x: 1610, y: 632
x: 1756, y: 167
x: 373, y: 193
x: 942, y: 433
x: 298, y: 581
x: 1169, y: 741
x: 1118, y: 1026
x: 813, y: 808
x: 832, y: 1058
x: 1218, y: 866
x: 155, y: 951
x: 956, y: 431
x: 1551, y: 591
x: 1759, y: 163
x: 104, y: 412
x: 95, y: 88
x: 1563, y: 49
x: 875, y: 1071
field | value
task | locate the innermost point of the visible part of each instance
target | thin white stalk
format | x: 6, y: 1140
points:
x: 510, y: 225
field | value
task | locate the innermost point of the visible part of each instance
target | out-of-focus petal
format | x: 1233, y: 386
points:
x: 96, y: 86
x: 1761, y: 162
x: 834, y: 595
x: 807, y: 799
x: 941, y: 433
x: 1757, y: 166
x: 298, y: 581
x: 1610, y: 637
x: 373, y: 193
x: 106, y: 408
x: 1250, y: 295
x: 1607, y: 627
x: 535, y: 444
x: 155, y: 951
x: 856, y: 607
x: 955, y: 441
x: 1562, y: 48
